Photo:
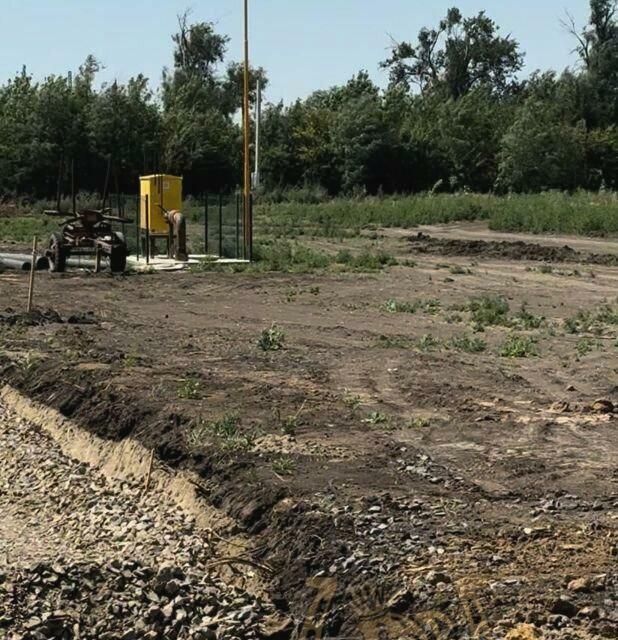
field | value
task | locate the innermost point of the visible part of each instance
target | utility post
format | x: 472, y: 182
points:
x: 258, y: 118
x: 247, y: 222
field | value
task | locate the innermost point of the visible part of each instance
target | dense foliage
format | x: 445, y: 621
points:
x: 456, y: 116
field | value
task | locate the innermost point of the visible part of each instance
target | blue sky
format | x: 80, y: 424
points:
x: 303, y: 44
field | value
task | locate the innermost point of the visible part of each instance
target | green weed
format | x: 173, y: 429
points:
x: 526, y: 320
x: 488, y: 311
x: 226, y: 432
x: 376, y: 418
x: 428, y: 343
x: 591, y: 321
x: 284, y: 466
x: 272, y: 339
x: 468, y: 344
x: 584, y: 346
x: 519, y: 347
x: 189, y: 389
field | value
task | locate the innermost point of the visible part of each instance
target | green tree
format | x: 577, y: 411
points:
x: 201, y: 97
x: 597, y: 45
x: 459, y: 55
x: 542, y: 151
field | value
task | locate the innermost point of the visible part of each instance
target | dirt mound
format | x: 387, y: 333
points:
x: 519, y: 250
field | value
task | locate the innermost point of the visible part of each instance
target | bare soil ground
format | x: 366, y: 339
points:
x: 402, y: 483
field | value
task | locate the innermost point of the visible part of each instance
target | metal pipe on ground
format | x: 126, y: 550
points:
x: 22, y: 262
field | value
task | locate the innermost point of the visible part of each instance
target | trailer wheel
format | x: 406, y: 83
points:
x: 57, y: 253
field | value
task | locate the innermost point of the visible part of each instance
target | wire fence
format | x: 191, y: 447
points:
x: 214, y: 225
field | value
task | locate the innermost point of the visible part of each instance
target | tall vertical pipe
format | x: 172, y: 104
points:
x: 247, y: 122
x: 258, y: 118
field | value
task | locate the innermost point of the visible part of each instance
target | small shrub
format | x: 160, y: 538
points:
x: 519, y: 347
x: 395, y: 306
x: 428, y: 343
x: 488, y: 311
x: 272, y: 339
x: 591, y: 321
x: 468, y: 344
x: 376, y: 418
x: 527, y: 320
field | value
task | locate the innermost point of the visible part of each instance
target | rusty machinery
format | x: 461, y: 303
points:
x: 87, y: 232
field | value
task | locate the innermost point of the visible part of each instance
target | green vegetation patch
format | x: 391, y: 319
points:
x: 517, y: 346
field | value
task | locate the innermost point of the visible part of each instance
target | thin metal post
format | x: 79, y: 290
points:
x: 258, y: 119
x: 206, y: 225
x: 138, y: 226
x: 73, y: 194
x: 237, y: 225
x: 107, y: 177
x: 147, y: 230
x: 221, y: 225
x: 32, y: 270
x: 250, y: 257
x: 247, y: 133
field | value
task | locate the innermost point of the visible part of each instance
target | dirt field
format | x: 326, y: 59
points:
x: 417, y: 460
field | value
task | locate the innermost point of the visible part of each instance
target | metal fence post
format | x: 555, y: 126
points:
x: 206, y: 225
x: 251, y: 227
x: 220, y: 225
x: 237, y: 226
x: 138, y: 226
x: 147, y: 230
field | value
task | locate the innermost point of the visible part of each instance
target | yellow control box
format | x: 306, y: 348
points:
x: 162, y: 191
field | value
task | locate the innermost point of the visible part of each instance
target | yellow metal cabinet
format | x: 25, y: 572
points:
x: 162, y: 191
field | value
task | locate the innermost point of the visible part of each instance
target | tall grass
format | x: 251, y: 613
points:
x: 23, y: 228
x: 344, y: 217
x: 581, y: 213
x: 306, y: 212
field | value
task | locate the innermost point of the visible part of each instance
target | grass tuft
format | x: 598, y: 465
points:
x: 519, y: 347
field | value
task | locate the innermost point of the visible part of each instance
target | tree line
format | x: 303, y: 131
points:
x: 455, y: 116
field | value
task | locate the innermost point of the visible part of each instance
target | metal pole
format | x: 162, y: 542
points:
x: 73, y: 194
x: 138, y: 226
x: 221, y: 225
x: 250, y: 226
x: 32, y: 271
x: 147, y: 230
x: 206, y: 225
x: 258, y: 118
x: 107, y: 177
x: 121, y: 209
x: 247, y: 133
x: 237, y: 225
